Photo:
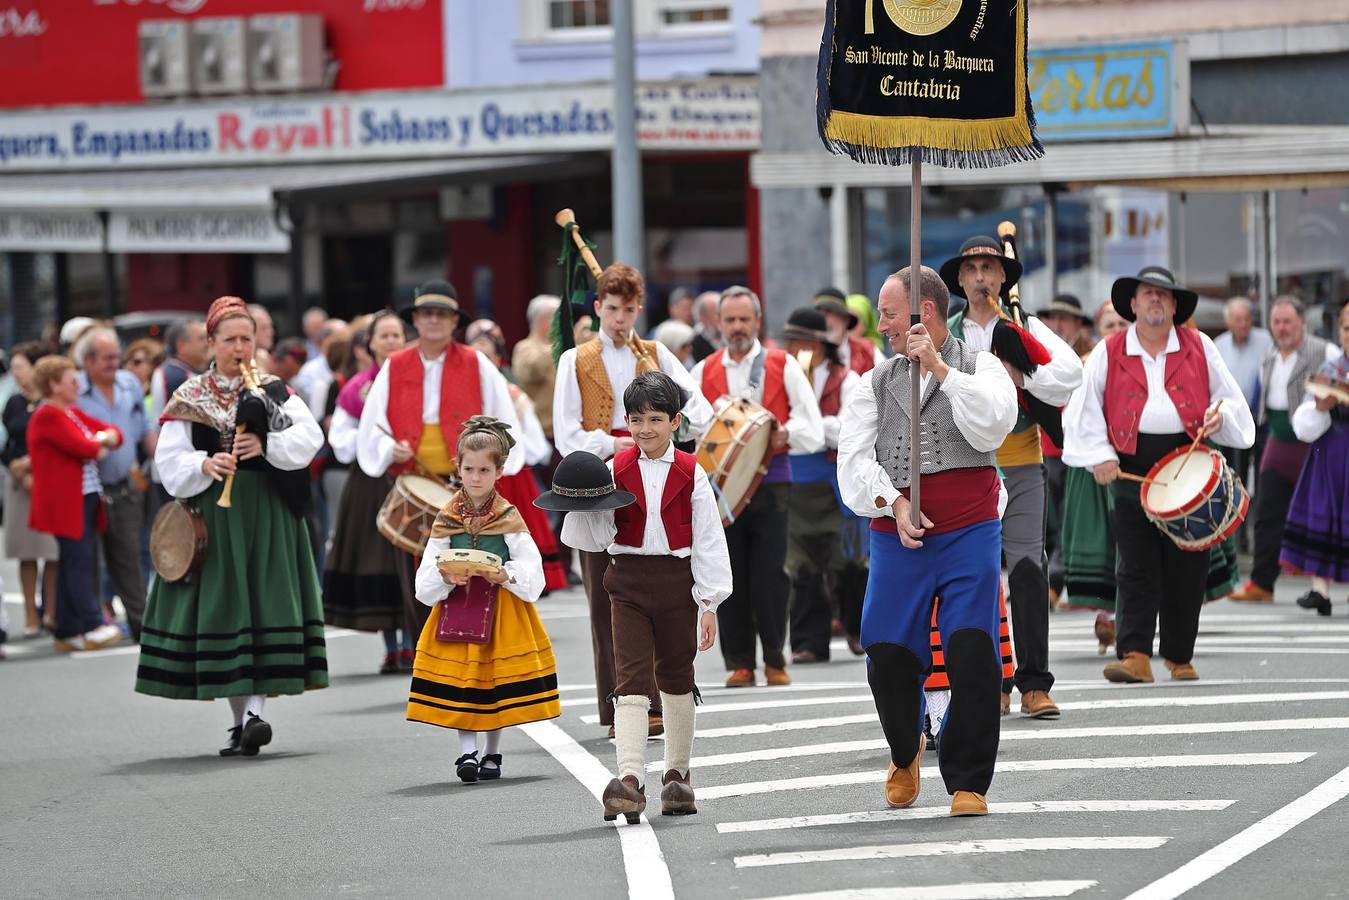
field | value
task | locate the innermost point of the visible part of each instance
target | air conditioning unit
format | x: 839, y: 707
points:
x: 165, y: 53
x: 219, y: 56
x: 286, y: 53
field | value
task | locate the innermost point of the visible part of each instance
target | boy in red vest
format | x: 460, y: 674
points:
x: 668, y: 571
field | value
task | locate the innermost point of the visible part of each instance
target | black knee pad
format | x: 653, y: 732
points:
x: 894, y: 663
x: 972, y: 660
x: 1028, y: 579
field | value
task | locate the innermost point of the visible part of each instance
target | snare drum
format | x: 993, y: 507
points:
x: 410, y: 510
x: 735, y: 452
x: 1197, y: 504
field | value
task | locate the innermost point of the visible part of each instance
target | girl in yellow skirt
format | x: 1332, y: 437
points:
x: 511, y: 679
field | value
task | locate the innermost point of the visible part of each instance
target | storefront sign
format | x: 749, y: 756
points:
x: 1115, y: 91
x: 73, y: 231
x: 196, y: 231
x: 720, y: 114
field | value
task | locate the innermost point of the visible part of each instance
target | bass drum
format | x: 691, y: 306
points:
x: 178, y: 542
x: 734, y: 451
x: 410, y: 510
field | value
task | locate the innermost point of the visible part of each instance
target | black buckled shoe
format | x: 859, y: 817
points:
x: 490, y: 767
x: 257, y: 734
x: 466, y: 767
x: 1315, y: 600
x: 232, y: 748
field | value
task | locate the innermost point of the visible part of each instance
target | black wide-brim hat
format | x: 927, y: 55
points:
x: 807, y: 324
x: 583, y: 483
x: 981, y: 245
x: 435, y: 294
x: 1123, y: 290
x: 1068, y: 305
x: 832, y: 300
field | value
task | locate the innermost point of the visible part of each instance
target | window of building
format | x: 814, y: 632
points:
x: 592, y: 19
x: 693, y: 13
x: 569, y: 14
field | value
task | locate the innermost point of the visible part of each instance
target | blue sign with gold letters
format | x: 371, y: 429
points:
x: 1115, y: 91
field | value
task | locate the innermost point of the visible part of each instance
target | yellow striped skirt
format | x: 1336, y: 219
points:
x: 510, y: 680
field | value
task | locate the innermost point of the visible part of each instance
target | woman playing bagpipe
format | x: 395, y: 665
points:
x: 248, y: 623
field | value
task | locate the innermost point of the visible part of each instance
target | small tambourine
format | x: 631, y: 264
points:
x: 468, y: 562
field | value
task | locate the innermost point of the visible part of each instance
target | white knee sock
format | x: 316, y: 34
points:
x: 468, y: 742
x: 679, y: 716
x: 253, y: 705
x: 938, y: 702
x: 493, y: 741
x: 630, y: 731
x: 237, y: 705
x: 1321, y: 585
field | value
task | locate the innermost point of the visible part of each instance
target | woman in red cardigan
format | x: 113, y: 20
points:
x: 64, y: 442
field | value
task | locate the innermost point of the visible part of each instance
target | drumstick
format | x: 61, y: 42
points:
x: 1195, y: 443
x: 415, y: 458
x: 1129, y: 476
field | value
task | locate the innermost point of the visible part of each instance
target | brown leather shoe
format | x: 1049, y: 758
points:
x: 611, y: 732
x: 1182, y: 671
x: 1006, y: 704
x: 901, y: 785
x: 1105, y: 633
x: 624, y: 796
x: 776, y: 677
x: 1251, y: 592
x: 855, y: 645
x: 655, y: 724
x: 741, y: 678
x: 1135, y: 668
x: 676, y: 797
x: 968, y: 803
x: 1039, y: 705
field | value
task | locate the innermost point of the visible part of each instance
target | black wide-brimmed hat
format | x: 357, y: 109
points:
x: 1123, y: 290
x: 1065, y: 304
x: 583, y: 483
x: 807, y: 323
x: 434, y: 294
x: 831, y: 299
x: 980, y: 245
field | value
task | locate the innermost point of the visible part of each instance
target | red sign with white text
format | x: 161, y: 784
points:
x: 85, y: 51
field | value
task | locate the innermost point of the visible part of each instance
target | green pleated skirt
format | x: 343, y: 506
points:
x: 251, y: 622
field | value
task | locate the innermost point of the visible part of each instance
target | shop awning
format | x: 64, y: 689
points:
x: 255, y: 187
x: 1223, y: 159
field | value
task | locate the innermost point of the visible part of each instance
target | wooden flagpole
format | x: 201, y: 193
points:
x: 915, y: 318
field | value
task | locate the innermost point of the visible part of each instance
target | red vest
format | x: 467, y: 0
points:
x: 1126, y: 387
x: 676, y: 505
x: 774, y: 391
x: 460, y: 396
x: 831, y: 398
x: 861, y: 356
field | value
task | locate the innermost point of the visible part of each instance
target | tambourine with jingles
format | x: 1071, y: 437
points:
x: 178, y: 541
x: 468, y: 562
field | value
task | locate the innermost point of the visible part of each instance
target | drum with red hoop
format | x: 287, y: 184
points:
x: 1198, y: 502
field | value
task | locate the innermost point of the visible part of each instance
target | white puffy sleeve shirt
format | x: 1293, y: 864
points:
x: 805, y: 430
x: 983, y: 405
x: 1086, y: 441
x: 524, y: 570
x: 342, y: 433
x: 179, y: 463
x: 374, y: 447
x: 594, y: 532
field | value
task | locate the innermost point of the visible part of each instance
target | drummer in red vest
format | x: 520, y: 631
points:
x: 420, y: 399
x: 821, y: 593
x: 588, y: 414
x: 757, y: 539
x: 1145, y: 392
x: 858, y: 354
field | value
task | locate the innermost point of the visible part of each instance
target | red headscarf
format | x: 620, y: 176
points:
x: 223, y: 308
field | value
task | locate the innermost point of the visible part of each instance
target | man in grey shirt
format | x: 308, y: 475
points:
x: 1243, y: 347
x: 113, y: 395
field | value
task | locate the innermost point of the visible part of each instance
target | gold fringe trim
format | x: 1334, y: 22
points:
x: 962, y: 135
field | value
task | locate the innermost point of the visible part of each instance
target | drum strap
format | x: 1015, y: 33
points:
x: 756, y: 375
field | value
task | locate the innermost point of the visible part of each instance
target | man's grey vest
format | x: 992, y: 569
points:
x: 942, y: 447
x: 1309, y: 359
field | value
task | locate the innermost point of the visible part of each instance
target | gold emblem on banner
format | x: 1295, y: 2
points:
x: 922, y: 17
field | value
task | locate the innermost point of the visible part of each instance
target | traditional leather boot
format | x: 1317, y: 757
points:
x: 968, y: 803
x: 1182, y: 671
x: 1252, y: 593
x: 1039, y: 705
x: 776, y: 677
x: 1135, y: 668
x: 901, y: 785
x: 676, y: 797
x: 740, y: 678
x: 624, y: 796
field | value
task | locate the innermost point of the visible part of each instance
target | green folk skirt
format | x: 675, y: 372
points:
x: 251, y: 622
x: 1089, y: 553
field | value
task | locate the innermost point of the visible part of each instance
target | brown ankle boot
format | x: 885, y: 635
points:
x: 676, y: 797
x: 1182, y: 671
x: 1135, y: 668
x: 968, y: 803
x: 901, y: 785
x: 624, y: 796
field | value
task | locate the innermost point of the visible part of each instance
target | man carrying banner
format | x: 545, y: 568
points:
x: 968, y: 406
x: 981, y: 274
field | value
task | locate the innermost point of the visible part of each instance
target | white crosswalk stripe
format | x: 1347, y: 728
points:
x: 993, y: 890
x: 950, y: 848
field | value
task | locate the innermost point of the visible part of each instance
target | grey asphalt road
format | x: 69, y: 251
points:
x: 107, y: 793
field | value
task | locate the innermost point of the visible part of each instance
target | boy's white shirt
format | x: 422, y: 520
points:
x: 594, y: 532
